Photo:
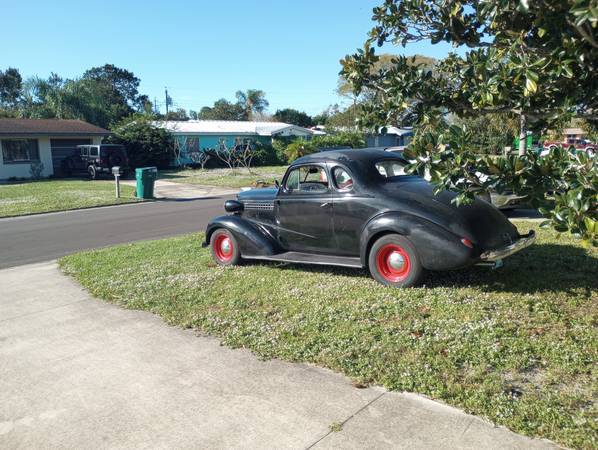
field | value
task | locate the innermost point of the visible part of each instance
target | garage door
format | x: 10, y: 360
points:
x: 63, y: 148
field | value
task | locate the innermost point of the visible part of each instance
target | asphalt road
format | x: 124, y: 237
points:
x: 37, y: 238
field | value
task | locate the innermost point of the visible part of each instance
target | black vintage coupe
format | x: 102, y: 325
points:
x: 358, y: 208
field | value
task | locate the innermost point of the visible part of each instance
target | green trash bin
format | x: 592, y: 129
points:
x: 146, y: 177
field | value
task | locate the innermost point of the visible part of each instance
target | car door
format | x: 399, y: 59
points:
x: 303, y: 210
x: 352, y: 208
x: 81, y: 162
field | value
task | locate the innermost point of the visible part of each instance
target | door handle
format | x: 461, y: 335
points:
x: 326, y: 205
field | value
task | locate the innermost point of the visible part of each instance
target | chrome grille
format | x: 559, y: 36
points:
x: 261, y: 206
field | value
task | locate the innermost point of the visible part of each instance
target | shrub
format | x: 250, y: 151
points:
x: 146, y: 144
x: 352, y: 139
x: 289, y: 150
x: 36, y: 169
x: 267, y: 155
x: 279, y: 146
x: 299, y: 148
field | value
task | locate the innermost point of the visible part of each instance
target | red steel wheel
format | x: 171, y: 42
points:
x: 225, y: 250
x: 393, y: 261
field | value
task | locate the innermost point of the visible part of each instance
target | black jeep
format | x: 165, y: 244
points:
x: 96, y: 159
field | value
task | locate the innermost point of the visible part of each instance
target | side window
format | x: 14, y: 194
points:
x: 292, y: 182
x: 390, y: 168
x: 307, y: 179
x: 342, y: 179
x: 84, y: 151
x: 94, y: 152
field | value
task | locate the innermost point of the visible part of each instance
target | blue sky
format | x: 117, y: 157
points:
x: 202, y: 50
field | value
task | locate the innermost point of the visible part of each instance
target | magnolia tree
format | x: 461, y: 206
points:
x: 535, y: 60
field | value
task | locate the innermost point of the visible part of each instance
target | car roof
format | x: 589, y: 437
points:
x: 348, y: 156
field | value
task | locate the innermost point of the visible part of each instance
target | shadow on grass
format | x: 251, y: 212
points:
x: 541, y: 268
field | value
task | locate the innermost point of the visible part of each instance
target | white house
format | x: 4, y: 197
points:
x: 392, y: 137
x: 25, y: 142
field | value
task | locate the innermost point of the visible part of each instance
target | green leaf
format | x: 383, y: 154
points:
x: 530, y: 87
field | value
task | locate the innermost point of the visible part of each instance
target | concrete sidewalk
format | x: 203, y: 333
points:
x: 166, y: 190
x: 76, y: 372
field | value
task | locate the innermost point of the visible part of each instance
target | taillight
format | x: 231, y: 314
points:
x: 467, y: 243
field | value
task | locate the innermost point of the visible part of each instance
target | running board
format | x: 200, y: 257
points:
x: 311, y: 258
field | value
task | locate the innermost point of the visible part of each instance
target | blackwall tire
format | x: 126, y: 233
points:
x: 225, y: 248
x: 393, y: 261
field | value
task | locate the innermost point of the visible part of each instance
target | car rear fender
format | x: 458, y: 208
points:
x: 252, y: 239
x: 437, y: 247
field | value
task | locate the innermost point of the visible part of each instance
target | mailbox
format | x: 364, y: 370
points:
x: 116, y: 170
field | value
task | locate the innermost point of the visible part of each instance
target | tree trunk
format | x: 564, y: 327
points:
x: 522, y: 134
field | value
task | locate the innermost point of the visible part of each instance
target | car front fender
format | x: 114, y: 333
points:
x: 252, y: 239
x: 437, y: 247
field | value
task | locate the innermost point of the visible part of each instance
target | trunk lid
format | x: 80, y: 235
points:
x: 481, y: 222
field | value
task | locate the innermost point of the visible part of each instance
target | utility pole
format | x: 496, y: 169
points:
x: 167, y: 100
x: 155, y: 106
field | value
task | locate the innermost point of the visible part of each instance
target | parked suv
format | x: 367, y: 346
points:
x: 97, y: 159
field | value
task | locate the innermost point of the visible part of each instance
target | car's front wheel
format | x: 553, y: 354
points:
x: 225, y: 249
x: 393, y: 261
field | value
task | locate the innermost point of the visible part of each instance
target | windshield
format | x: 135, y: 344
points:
x: 391, y: 168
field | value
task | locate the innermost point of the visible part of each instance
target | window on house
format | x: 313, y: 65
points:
x: 20, y: 150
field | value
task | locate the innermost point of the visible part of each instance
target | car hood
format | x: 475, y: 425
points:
x: 480, y: 221
x: 262, y: 194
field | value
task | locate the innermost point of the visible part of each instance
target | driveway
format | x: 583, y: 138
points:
x: 76, y: 372
x: 164, y: 189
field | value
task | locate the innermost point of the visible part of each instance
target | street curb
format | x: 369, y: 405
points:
x: 111, y: 205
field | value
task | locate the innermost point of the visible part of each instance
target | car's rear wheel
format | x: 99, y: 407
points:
x: 393, y: 261
x: 225, y: 249
x: 91, y: 171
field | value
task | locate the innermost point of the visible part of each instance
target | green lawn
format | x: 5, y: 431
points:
x: 17, y: 199
x: 518, y: 345
x: 235, y: 178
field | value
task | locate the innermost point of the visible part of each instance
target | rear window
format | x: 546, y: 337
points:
x: 391, y: 168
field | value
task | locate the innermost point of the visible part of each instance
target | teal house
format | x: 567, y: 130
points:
x: 196, y: 136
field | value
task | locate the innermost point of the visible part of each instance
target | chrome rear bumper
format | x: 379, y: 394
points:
x: 524, y: 241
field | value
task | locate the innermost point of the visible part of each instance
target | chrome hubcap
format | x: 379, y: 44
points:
x: 396, y: 261
x: 225, y: 246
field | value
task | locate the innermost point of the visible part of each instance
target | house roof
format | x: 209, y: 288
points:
x: 230, y: 127
x: 51, y: 127
x: 399, y: 131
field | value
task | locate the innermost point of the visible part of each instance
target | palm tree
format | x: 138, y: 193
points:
x: 253, y: 101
